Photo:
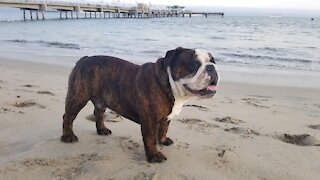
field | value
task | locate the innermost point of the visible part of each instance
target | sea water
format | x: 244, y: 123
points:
x: 270, y: 43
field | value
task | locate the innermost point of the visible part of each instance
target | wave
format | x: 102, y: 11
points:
x: 217, y: 37
x: 47, y: 43
x: 265, y: 57
x: 146, y: 39
x: 152, y: 52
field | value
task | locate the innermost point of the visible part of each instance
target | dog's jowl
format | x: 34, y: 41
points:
x: 151, y: 94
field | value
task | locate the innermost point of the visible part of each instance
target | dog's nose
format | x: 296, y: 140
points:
x: 209, y: 68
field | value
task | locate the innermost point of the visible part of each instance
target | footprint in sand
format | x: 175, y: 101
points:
x: 70, y: 167
x: 133, y: 148
x: 229, y: 119
x: 28, y: 103
x: 190, y: 121
x: 129, y: 144
x: 142, y: 176
x: 222, y: 150
x: 227, y: 100
x: 300, y: 139
x: 255, y: 102
x: 199, y: 125
x: 168, y: 175
x: 241, y: 130
x: 65, y: 168
x: 7, y: 110
x: 46, y: 93
x: 183, y: 145
x: 317, y: 127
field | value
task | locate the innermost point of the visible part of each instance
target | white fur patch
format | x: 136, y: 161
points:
x: 202, y: 55
x: 180, y: 96
x: 177, y: 107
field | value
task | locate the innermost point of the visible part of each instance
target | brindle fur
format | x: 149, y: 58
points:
x: 122, y: 87
x: 139, y: 93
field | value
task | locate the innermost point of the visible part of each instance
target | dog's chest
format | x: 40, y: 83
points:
x: 177, y: 107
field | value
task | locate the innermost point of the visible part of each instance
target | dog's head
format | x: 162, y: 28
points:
x: 192, y: 72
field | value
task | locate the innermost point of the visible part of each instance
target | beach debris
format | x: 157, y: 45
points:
x: 221, y: 153
x: 197, y: 106
x: 46, y: 92
x: 110, y: 116
x: 115, y: 117
x: 300, y: 139
x: 28, y: 85
x: 229, y: 119
x: 241, y: 130
x: 28, y: 103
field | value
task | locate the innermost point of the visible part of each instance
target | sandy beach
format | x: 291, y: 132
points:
x: 256, y: 127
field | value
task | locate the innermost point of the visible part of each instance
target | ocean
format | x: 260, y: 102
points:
x: 264, y: 42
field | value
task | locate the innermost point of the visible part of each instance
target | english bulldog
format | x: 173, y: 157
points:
x: 151, y: 94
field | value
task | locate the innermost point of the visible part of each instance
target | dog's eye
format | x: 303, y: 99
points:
x: 194, y: 66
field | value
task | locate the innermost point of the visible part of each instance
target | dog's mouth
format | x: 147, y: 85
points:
x: 207, y: 92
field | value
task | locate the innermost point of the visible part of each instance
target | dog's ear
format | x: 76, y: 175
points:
x: 164, y: 63
x: 171, y: 54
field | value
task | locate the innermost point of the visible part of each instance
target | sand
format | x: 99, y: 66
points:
x: 254, y: 128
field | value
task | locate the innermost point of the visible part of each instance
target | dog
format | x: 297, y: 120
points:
x: 151, y: 94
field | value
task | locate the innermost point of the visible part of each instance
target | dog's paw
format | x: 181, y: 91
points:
x: 69, y: 138
x: 157, y: 157
x: 104, y: 132
x: 167, y: 142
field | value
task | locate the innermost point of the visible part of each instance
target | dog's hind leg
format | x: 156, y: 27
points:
x: 162, y: 133
x: 101, y: 128
x: 74, y: 104
x: 99, y: 110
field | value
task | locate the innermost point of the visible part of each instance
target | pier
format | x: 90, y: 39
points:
x: 37, y: 8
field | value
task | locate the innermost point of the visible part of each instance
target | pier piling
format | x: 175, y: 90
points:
x: 43, y: 18
x: 24, y: 14
x: 31, y: 15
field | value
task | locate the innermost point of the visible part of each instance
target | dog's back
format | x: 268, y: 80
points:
x: 98, y: 78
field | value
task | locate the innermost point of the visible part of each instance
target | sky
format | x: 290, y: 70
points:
x: 277, y: 4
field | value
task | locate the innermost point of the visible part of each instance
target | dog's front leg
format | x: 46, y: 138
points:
x: 149, y: 130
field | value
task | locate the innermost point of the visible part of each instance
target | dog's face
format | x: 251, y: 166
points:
x: 192, y: 72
